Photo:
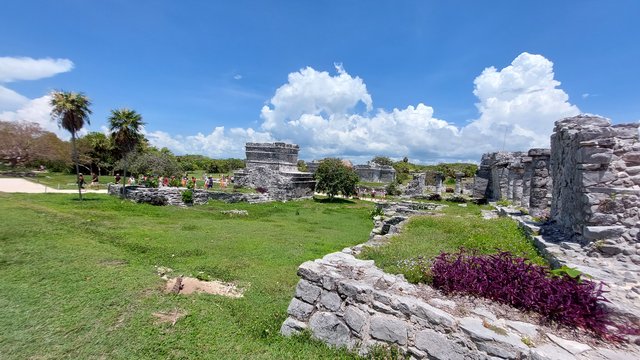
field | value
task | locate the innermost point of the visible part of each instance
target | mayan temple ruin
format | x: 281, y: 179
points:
x: 274, y: 167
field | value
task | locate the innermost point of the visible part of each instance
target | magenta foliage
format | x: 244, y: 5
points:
x: 511, y: 280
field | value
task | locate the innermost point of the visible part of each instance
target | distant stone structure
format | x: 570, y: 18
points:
x: 416, y: 186
x: 274, y: 167
x: 370, y: 172
x: 374, y: 172
x: 519, y: 177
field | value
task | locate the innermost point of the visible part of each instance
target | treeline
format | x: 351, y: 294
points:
x: 404, y: 168
x: 27, y: 145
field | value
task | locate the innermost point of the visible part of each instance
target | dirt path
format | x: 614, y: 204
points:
x: 16, y: 185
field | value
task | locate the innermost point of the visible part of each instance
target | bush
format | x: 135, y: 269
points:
x: 187, y: 196
x: 457, y: 199
x: 434, y: 197
x: 392, y: 189
x: 334, y: 177
x: 571, y: 301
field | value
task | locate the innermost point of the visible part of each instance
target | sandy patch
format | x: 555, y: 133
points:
x: 170, y: 317
x: 189, y: 285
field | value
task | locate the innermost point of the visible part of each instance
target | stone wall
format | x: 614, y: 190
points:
x: 596, y: 182
x: 521, y: 178
x: 347, y: 302
x: 373, y: 172
x: 274, y: 167
x: 173, y: 196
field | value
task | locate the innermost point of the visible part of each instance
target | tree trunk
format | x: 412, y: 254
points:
x: 75, y: 161
x: 124, y: 178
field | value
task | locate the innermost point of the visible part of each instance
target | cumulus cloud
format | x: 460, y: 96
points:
x: 17, y: 107
x: 331, y: 115
x: 219, y: 143
x: 26, y: 68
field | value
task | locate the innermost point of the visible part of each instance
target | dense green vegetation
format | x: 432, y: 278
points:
x: 425, y: 237
x: 79, y: 281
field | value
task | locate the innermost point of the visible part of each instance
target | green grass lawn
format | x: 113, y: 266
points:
x: 79, y: 281
x: 428, y: 236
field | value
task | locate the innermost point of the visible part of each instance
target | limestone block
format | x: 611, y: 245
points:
x: 292, y: 326
x: 330, y: 300
x: 355, y: 318
x: 439, y: 346
x: 573, y: 347
x: 594, y: 155
x: 507, y: 346
x: 300, y: 309
x: 307, y: 291
x: 311, y: 271
x: 328, y: 328
x: 593, y: 233
x: 389, y: 328
x: 632, y: 158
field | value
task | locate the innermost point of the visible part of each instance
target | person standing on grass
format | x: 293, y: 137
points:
x: 118, y: 178
x: 81, y: 181
x: 193, y: 181
x: 94, y: 179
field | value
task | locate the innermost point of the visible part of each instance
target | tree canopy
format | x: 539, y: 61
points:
x: 334, y: 177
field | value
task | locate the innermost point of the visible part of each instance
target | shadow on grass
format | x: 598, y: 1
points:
x: 333, y: 201
x: 87, y: 199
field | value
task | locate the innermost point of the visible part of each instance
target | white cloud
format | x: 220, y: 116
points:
x: 330, y: 115
x: 11, y: 100
x: 26, y: 68
x: 237, y: 76
x: 17, y: 107
x: 219, y: 143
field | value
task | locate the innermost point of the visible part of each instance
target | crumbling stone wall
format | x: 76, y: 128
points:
x: 274, y: 167
x: 596, y: 182
x: 416, y: 186
x: 373, y: 172
x: 522, y: 178
x: 173, y: 196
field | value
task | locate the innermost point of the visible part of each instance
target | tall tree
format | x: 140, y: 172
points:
x: 334, y: 177
x: 71, y: 110
x: 125, y: 126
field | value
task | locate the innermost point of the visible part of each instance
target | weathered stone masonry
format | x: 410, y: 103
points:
x: 596, y: 182
x: 173, y: 195
x: 274, y: 166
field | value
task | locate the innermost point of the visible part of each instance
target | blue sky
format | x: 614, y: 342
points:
x: 328, y: 74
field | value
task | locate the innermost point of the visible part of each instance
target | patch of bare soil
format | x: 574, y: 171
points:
x: 189, y: 285
x: 169, y: 317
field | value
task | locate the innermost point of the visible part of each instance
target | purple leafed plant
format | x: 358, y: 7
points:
x: 512, y: 280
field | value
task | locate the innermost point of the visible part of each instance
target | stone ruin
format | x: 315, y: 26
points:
x: 371, y: 172
x: 274, y: 167
x: 596, y: 172
x: 416, y: 186
x: 588, y: 183
x: 374, y: 172
x: 523, y: 178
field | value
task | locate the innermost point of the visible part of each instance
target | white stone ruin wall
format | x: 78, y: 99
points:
x: 596, y: 182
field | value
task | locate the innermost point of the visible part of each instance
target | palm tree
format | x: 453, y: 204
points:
x: 71, y: 110
x: 125, y: 126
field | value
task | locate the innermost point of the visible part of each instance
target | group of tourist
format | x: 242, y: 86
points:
x: 173, y: 181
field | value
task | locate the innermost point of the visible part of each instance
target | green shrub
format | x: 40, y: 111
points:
x: 187, y: 196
